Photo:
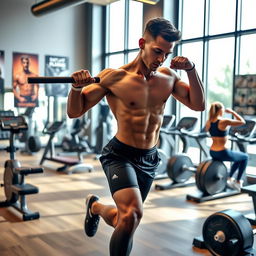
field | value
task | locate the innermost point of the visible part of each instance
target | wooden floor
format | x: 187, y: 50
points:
x: 168, y: 227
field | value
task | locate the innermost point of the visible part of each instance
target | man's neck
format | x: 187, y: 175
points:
x: 26, y: 71
x: 138, y: 66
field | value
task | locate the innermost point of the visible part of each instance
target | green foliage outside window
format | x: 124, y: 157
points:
x: 222, y: 89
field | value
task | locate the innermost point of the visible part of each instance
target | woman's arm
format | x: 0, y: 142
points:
x: 239, y: 120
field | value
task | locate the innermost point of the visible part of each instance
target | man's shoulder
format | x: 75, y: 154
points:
x: 167, y: 71
x: 113, y: 71
x: 110, y: 76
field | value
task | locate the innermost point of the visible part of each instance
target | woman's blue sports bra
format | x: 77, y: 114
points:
x: 215, y: 131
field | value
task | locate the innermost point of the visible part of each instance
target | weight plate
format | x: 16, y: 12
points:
x: 10, y: 178
x: 34, y: 144
x: 175, y: 168
x: 199, y: 172
x: 161, y: 169
x: 227, y: 233
x: 213, y: 178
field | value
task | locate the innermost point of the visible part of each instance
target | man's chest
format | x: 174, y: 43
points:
x: 137, y: 93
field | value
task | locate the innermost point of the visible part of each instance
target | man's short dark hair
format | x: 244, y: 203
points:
x: 164, y: 28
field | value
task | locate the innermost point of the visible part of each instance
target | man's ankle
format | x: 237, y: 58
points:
x: 94, y: 208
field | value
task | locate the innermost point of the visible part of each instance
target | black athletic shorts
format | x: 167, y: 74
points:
x: 127, y: 167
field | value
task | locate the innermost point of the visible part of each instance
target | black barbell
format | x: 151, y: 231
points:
x: 51, y: 80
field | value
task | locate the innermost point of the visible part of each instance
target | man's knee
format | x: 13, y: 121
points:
x: 131, y: 218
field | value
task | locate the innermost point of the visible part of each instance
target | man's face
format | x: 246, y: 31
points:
x: 155, y: 52
x: 25, y: 64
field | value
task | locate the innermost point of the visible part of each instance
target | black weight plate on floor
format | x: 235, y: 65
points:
x: 227, y: 233
x: 213, y: 178
x: 198, y: 173
x: 34, y: 144
x: 161, y: 169
x: 175, y: 169
x: 10, y: 178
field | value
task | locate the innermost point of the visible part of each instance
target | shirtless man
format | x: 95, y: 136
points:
x: 136, y: 93
x: 26, y: 95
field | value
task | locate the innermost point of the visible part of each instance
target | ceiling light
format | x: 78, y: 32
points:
x: 47, y: 6
x: 148, y: 1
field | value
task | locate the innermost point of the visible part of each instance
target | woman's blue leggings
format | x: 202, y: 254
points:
x: 240, y: 160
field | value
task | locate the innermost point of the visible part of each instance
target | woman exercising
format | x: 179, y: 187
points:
x: 217, y: 127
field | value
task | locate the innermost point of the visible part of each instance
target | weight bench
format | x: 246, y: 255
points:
x: 251, y: 191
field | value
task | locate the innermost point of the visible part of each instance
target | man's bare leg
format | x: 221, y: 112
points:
x: 124, y: 218
x: 107, y: 212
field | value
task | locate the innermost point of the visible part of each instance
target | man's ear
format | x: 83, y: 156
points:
x: 141, y: 43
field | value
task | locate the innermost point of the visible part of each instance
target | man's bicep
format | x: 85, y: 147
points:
x: 181, y: 92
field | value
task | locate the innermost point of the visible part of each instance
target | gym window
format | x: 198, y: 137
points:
x: 219, y: 41
x: 121, y: 41
x: 123, y: 32
x: 219, y: 36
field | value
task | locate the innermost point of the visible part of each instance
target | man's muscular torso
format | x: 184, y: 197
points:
x: 138, y: 105
x: 25, y: 89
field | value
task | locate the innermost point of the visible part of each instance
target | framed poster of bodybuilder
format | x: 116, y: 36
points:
x: 25, y: 65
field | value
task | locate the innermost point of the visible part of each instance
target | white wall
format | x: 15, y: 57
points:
x: 60, y: 33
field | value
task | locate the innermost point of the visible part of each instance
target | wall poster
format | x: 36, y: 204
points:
x: 56, y: 66
x: 25, y: 65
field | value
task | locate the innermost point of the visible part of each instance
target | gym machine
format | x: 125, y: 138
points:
x: 73, y: 142
x: 70, y: 164
x: 185, y: 124
x: 183, y: 128
x: 227, y: 233
x: 5, y: 135
x: 31, y: 141
x: 103, y: 128
x: 15, y: 188
x: 211, y: 176
x: 165, y: 144
x: 243, y: 135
